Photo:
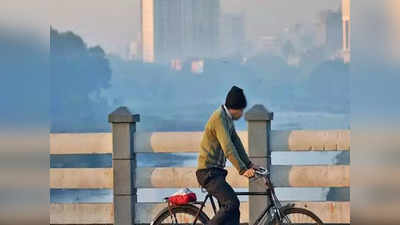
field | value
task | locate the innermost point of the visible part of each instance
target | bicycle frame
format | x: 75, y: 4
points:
x: 270, y: 193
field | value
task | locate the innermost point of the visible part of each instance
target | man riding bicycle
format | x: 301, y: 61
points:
x: 220, y: 142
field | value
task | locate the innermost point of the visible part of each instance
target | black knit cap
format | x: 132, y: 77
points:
x: 235, y: 98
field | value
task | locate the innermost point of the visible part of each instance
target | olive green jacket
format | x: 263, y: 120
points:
x: 220, y: 142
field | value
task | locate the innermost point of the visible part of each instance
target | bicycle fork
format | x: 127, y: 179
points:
x: 277, y: 207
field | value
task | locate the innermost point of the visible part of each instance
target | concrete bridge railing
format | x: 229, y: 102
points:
x: 125, y: 177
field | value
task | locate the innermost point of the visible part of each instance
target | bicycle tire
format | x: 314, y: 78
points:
x: 163, y: 216
x: 313, y: 219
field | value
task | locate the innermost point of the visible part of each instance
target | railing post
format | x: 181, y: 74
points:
x: 259, y: 131
x: 124, y: 164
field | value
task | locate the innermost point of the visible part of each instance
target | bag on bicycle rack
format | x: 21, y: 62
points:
x: 183, y: 196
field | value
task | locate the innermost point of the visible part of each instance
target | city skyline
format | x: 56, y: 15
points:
x: 114, y: 25
x: 185, y: 30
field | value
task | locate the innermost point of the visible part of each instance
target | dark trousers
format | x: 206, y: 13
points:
x: 213, y: 180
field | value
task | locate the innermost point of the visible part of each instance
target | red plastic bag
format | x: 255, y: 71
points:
x: 183, y: 196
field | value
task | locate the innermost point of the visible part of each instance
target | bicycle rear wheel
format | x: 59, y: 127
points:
x: 298, y: 216
x: 182, y: 214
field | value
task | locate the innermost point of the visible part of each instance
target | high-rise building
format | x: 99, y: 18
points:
x: 205, y: 27
x: 334, y: 31
x: 231, y: 34
x: 147, y: 30
x: 178, y: 29
x: 346, y: 30
x: 392, y: 32
x: 334, y: 36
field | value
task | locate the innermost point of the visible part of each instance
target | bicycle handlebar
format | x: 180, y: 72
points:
x: 262, y: 171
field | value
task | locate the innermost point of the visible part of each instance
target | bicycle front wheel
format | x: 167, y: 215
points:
x: 182, y: 214
x: 298, y: 216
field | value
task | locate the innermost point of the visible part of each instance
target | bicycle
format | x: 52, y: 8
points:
x: 273, y: 214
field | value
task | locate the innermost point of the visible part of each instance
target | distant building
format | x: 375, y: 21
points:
x: 147, y: 30
x: 333, y: 31
x: 346, y: 30
x: 205, y: 27
x: 269, y: 44
x: 232, y: 34
x: 176, y: 64
x: 197, y: 66
x: 332, y: 25
x: 179, y: 29
x: 133, y: 51
x: 294, y: 43
x: 392, y: 9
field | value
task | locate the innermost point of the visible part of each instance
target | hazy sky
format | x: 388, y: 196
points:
x: 114, y: 24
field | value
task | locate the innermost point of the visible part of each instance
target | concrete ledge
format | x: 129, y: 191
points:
x: 165, y: 142
x: 179, y: 177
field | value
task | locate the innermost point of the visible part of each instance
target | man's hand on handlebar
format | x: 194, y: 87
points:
x: 249, y: 173
x: 255, y: 169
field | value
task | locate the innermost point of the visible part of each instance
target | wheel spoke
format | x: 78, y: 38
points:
x: 176, y: 220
